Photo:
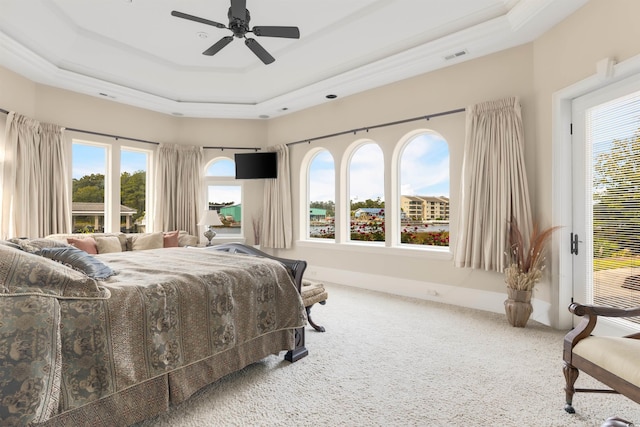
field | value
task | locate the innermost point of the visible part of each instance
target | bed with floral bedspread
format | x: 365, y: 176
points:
x: 158, y: 325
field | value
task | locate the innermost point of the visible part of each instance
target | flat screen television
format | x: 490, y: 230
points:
x: 258, y: 165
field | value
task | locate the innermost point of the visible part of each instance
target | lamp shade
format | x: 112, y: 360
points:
x: 210, y: 218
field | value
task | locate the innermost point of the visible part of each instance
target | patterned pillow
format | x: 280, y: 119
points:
x: 79, y: 260
x: 23, y: 272
x: 34, y: 245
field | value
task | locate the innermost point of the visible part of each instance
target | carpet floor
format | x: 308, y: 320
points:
x: 395, y: 361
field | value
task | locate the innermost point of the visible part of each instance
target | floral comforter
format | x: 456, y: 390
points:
x: 67, y: 340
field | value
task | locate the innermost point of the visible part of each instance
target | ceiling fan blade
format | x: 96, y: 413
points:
x: 218, y: 46
x: 197, y: 19
x: 259, y: 51
x: 286, y: 32
x: 239, y: 9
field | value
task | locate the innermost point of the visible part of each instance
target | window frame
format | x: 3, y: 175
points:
x: 391, y: 246
x: 113, y: 156
x: 305, y: 222
x: 226, y: 181
x: 399, y: 150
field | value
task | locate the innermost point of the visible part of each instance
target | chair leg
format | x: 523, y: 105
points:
x: 570, y: 376
x: 311, y: 322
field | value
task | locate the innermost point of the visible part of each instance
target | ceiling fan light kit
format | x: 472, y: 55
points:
x: 239, y: 18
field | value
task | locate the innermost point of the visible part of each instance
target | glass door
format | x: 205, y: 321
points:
x: 606, y: 200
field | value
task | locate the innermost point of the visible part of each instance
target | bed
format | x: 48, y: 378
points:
x: 156, y: 327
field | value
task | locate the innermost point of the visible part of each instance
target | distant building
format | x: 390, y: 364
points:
x: 363, y: 213
x: 317, y: 214
x: 92, y: 214
x: 234, y: 211
x: 425, y: 208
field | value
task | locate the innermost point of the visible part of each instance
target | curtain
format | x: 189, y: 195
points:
x: 35, y: 193
x: 494, y: 186
x: 179, y: 180
x: 277, y: 229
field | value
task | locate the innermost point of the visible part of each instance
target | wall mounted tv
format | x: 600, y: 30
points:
x: 256, y: 165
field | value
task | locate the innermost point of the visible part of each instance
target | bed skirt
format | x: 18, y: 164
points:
x: 155, y: 396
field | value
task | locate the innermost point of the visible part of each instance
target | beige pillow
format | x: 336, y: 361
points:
x: 108, y: 244
x: 185, y: 239
x: 147, y: 241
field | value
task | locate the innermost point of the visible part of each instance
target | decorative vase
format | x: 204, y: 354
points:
x: 518, y: 307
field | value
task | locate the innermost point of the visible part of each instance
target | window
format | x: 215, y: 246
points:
x: 100, y: 201
x: 321, y: 199
x: 224, y: 195
x: 88, y: 188
x: 424, y: 191
x: 366, y: 194
x: 133, y: 190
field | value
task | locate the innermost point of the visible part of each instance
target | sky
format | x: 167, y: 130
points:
x: 424, y: 171
x: 88, y: 159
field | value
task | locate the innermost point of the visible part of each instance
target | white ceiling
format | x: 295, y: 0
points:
x: 136, y: 53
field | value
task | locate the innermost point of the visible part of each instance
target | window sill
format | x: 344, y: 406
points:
x: 431, y: 252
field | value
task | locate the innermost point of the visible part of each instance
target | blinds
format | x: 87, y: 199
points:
x: 613, y: 134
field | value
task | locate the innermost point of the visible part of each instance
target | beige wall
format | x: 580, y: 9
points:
x: 564, y: 55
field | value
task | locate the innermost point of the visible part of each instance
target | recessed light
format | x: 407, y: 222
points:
x: 263, y: 116
x: 177, y: 114
x: 284, y: 109
x: 332, y: 96
x: 202, y: 35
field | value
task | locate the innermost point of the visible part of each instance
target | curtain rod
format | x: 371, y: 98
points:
x: 2, y: 110
x: 367, y: 128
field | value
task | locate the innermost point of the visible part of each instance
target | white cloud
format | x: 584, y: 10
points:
x: 366, y: 177
x: 424, y: 168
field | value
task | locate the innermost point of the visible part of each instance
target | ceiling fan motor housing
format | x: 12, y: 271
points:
x: 238, y: 26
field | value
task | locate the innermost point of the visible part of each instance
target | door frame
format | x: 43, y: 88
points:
x: 561, y: 179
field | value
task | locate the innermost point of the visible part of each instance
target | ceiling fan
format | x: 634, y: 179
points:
x: 239, y: 18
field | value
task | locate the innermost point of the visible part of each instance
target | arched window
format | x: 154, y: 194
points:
x: 321, y: 196
x: 224, y: 195
x: 424, y: 190
x: 366, y: 194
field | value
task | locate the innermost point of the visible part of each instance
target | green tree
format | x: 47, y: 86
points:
x: 133, y: 191
x: 616, y: 198
x: 89, y: 188
x: 369, y: 203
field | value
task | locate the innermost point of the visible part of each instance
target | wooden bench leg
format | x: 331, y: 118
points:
x: 311, y: 322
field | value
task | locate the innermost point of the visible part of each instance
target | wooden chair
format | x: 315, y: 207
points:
x: 614, y: 361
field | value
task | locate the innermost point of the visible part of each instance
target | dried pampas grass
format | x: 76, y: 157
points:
x: 526, y: 258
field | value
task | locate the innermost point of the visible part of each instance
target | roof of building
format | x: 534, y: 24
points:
x: 97, y: 208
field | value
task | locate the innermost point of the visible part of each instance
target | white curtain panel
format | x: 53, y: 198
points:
x: 35, y: 191
x: 179, y: 180
x: 277, y: 228
x: 494, y: 186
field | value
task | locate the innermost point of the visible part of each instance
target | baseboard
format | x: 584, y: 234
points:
x: 464, y: 297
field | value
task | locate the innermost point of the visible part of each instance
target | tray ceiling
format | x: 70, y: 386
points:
x: 136, y: 53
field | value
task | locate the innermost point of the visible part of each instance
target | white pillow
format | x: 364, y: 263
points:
x: 147, y: 241
x: 108, y: 244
